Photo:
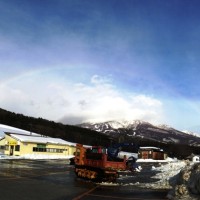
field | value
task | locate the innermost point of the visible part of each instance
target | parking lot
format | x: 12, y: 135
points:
x: 55, y: 180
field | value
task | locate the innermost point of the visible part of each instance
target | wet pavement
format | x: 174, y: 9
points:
x: 55, y: 180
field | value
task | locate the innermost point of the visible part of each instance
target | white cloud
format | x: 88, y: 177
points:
x: 73, y: 103
x: 102, y: 101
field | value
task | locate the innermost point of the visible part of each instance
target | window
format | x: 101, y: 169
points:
x: 2, y: 147
x: 6, y: 147
x: 17, y: 148
x: 41, y: 145
x: 39, y: 149
x: 42, y: 149
x: 34, y: 148
x: 50, y: 150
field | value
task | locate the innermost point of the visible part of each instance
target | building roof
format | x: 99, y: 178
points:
x: 5, y: 128
x: 155, y: 148
x: 40, y: 139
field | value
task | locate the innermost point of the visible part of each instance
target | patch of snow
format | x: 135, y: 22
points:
x: 108, y: 184
x: 35, y: 157
x: 191, y: 133
x: 39, y: 156
x: 3, y: 156
x: 115, y: 124
x: 152, y: 160
x: 174, y: 140
x: 165, y: 172
x: 96, y: 126
x: 148, y: 147
x: 171, y: 139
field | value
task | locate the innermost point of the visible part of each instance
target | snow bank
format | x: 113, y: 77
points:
x: 186, y: 184
x: 164, y: 172
x: 181, y: 177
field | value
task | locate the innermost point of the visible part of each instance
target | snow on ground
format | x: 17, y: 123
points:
x: 35, y: 156
x: 165, y: 172
x: 165, y: 169
x: 32, y: 156
x: 156, y: 161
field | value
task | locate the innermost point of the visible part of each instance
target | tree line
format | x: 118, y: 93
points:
x: 52, y: 129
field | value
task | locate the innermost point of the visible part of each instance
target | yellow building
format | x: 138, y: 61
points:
x: 36, y: 145
x: 2, y: 144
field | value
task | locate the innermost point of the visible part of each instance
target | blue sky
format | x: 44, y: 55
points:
x: 95, y: 60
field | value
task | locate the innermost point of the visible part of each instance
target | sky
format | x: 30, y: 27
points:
x: 74, y: 61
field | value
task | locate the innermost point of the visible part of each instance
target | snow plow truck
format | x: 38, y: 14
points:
x: 95, y: 163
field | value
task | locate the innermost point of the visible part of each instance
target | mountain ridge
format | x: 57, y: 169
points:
x: 174, y: 142
x: 126, y: 124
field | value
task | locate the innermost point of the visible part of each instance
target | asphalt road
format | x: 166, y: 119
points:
x: 55, y: 180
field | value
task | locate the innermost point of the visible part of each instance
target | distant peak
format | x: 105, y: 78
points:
x: 122, y: 123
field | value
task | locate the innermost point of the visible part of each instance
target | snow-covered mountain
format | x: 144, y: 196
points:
x: 141, y: 129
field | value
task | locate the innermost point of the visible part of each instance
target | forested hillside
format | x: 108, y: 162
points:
x: 53, y: 129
